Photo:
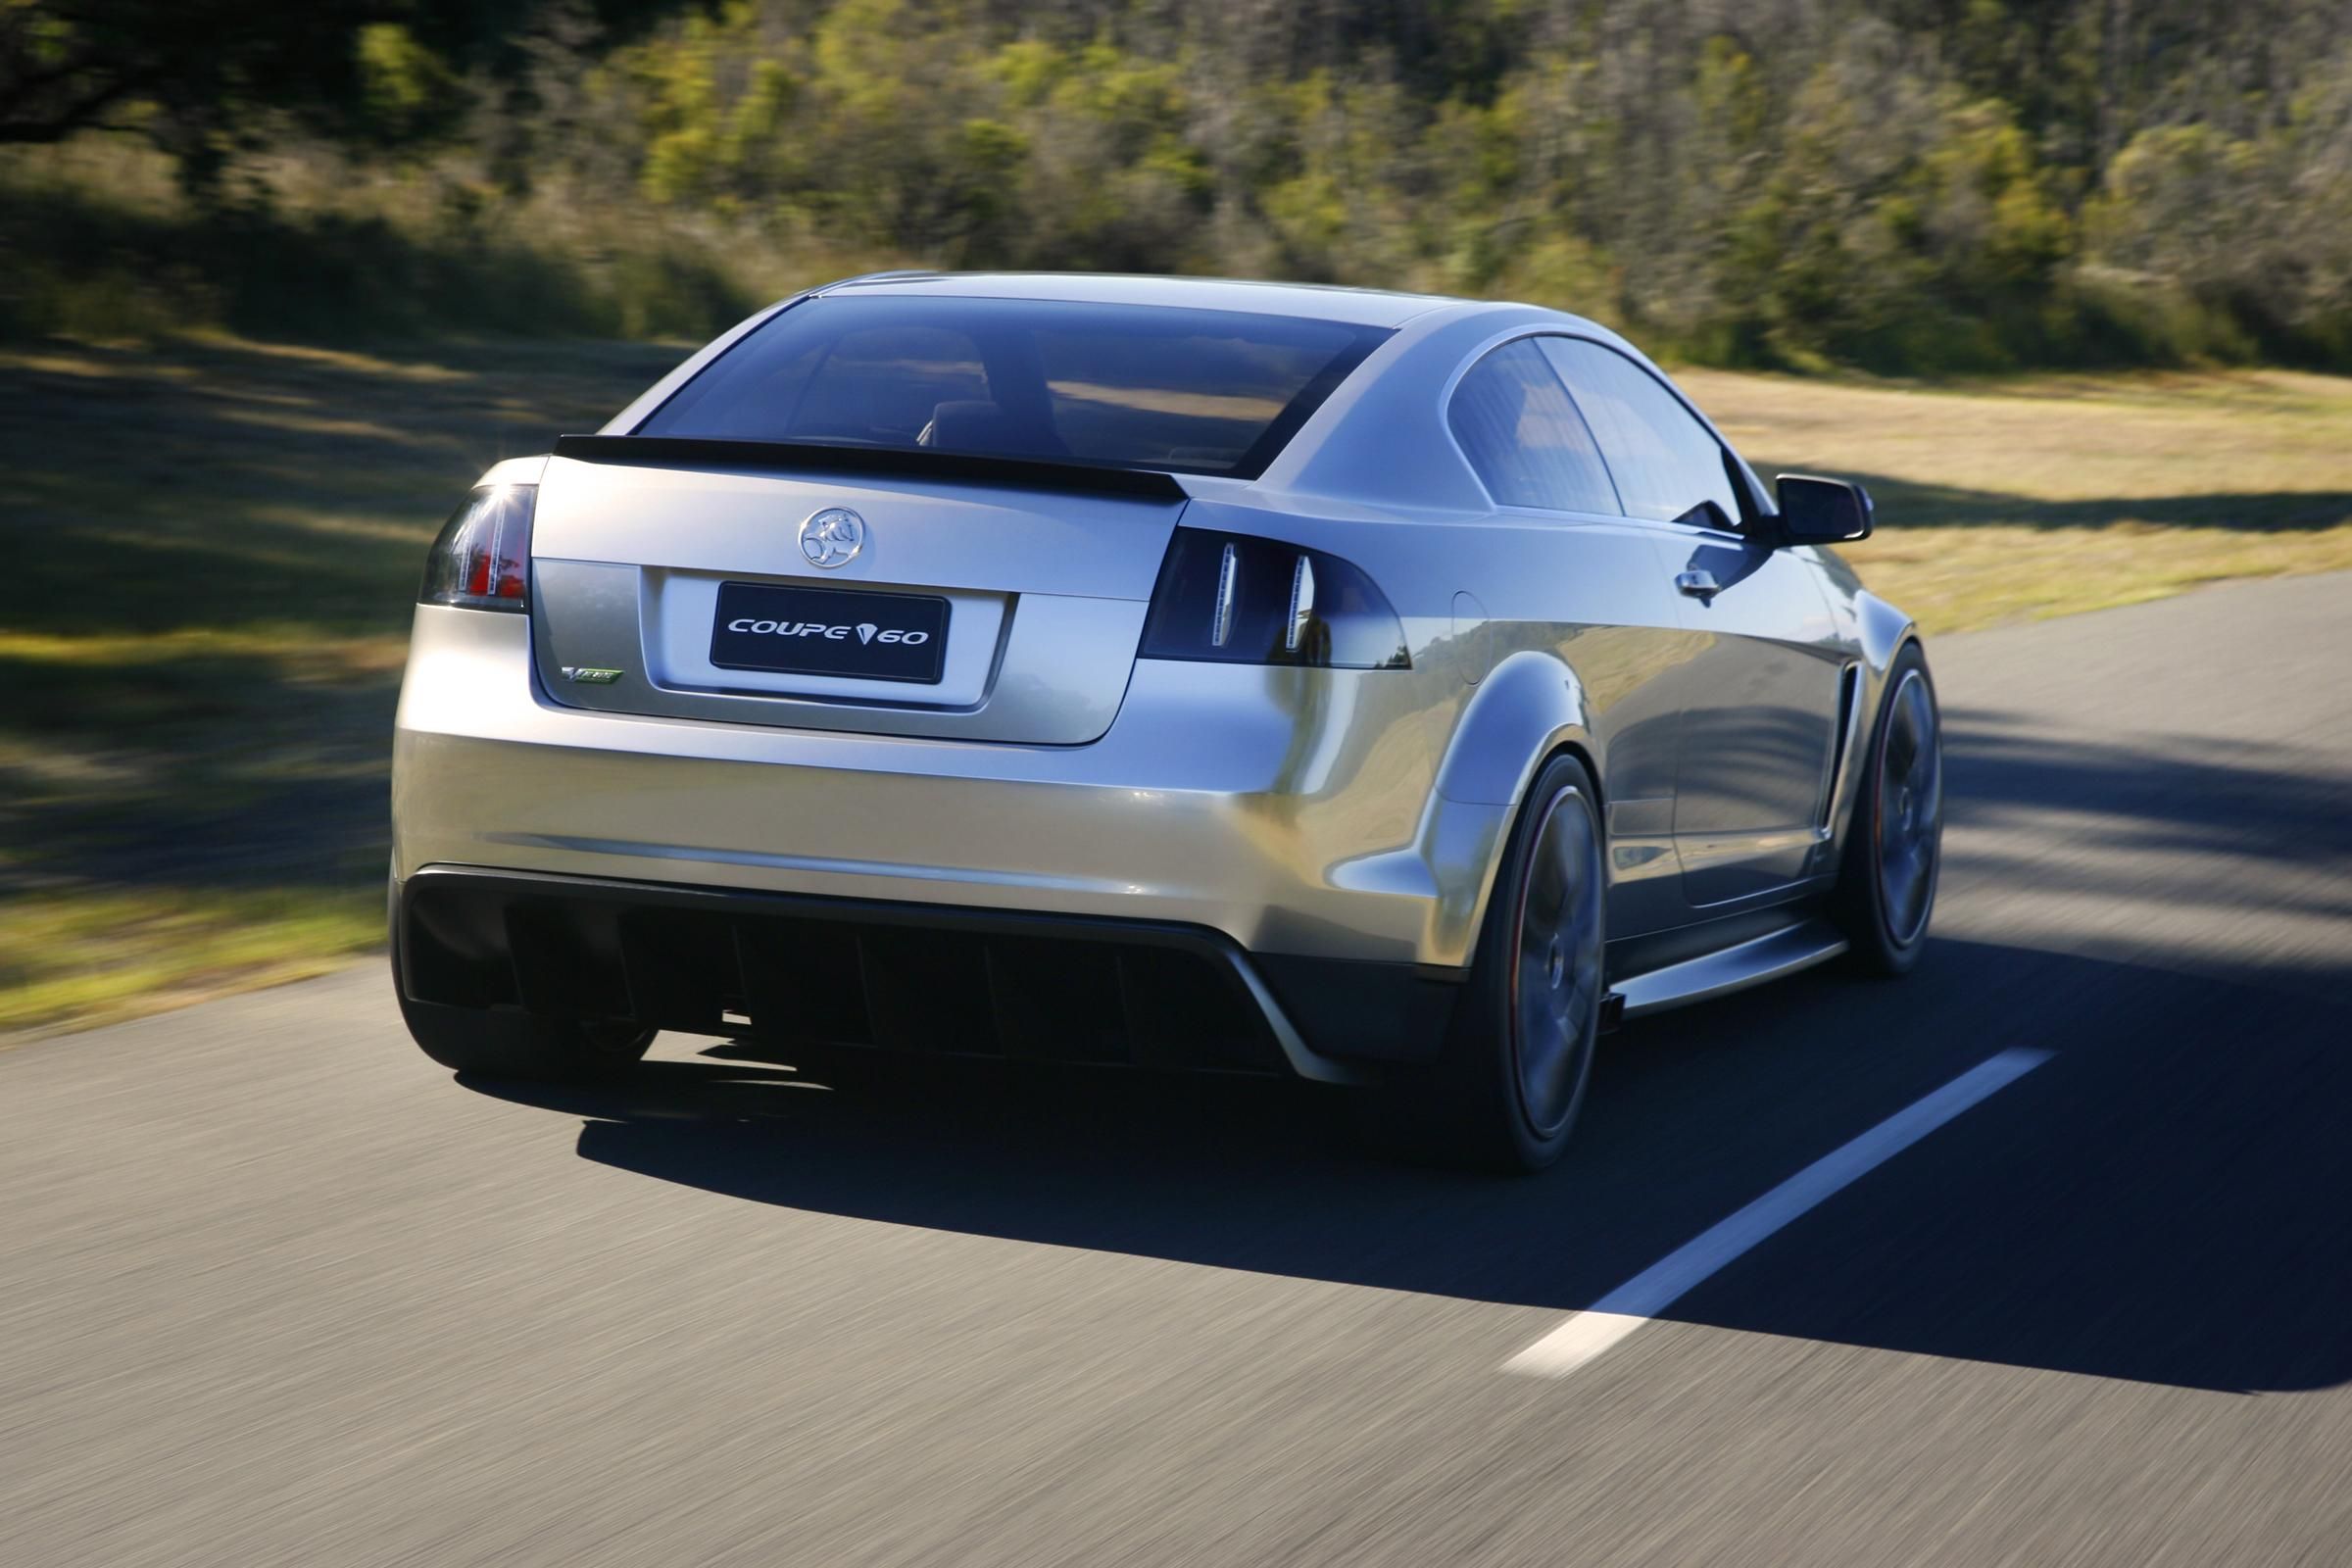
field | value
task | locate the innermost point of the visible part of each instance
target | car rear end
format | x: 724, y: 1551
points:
x: 872, y: 689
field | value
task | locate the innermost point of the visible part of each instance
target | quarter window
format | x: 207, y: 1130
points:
x: 1664, y: 461
x: 1525, y: 439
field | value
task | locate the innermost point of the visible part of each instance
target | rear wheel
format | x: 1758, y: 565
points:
x: 1505, y: 1090
x: 1895, y: 841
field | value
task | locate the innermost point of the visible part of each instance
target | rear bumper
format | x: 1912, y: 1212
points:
x: 923, y: 978
x: 1293, y: 813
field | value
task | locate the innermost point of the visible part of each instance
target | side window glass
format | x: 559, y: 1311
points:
x: 1525, y: 438
x: 1663, y: 460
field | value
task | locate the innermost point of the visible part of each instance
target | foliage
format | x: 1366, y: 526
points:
x: 200, y: 78
x: 355, y: 267
x: 1925, y: 186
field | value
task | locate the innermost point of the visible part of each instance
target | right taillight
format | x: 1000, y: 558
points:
x: 1236, y: 598
x: 481, y: 559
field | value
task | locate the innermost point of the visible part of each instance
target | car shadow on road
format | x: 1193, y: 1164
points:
x: 2268, y: 802
x: 2166, y: 1201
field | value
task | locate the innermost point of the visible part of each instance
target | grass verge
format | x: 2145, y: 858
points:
x: 86, y: 955
x: 2018, y: 500
x: 212, y: 545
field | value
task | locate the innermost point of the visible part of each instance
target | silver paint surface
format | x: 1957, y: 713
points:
x: 1341, y: 813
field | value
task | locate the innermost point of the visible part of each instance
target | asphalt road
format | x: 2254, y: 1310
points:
x: 274, y: 1289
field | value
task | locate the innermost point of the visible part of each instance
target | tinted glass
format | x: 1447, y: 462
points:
x: 1143, y: 387
x: 1663, y: 460
x: 1525, y: 438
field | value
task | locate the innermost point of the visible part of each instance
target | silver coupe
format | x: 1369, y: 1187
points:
x: 1389, y: 691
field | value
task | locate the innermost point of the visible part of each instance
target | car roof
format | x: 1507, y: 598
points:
x: 1380, y: 442
x: 1356, y: 307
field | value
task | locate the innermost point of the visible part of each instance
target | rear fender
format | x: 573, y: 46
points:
x: 1529, y: 707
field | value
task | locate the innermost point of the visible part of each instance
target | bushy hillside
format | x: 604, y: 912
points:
x: 1922, y: 185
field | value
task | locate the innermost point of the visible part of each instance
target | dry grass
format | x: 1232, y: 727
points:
x: 2019, y: 500
x: 213, y: 547
x: 1983, y: 575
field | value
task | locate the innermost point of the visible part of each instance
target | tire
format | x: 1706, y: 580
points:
x: 508, y: 1043
x: 1508, y: 1081
x: 1886, y: 892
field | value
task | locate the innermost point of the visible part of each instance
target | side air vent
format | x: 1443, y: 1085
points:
x: 1849, y: 697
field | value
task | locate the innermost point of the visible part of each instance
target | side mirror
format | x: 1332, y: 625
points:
x: 1822, y: 512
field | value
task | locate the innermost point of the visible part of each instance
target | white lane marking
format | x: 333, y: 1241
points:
x: 1586, y: 1334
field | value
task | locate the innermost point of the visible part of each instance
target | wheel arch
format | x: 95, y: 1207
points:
x: 1530, y: 709
x: 1883, y: 631
x: 1897, y: 632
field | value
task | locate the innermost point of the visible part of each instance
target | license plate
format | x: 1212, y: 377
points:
x: 830, y: 631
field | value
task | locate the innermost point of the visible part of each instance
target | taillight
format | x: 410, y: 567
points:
x: 482, y: 557
x: 1235, y: 599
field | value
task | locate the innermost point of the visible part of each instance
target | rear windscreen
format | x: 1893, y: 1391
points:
x: 1132, y: 386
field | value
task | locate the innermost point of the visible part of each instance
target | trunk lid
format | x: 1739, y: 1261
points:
x: 1034, y: 577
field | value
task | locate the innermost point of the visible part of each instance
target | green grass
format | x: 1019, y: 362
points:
x: 212, y: 546
x: 213, y: 549
x: 86, y: 954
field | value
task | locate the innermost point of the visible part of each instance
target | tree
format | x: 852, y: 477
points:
x: 195, y: 76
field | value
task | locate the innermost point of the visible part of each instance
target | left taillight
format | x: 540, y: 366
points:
x: 481, y: 559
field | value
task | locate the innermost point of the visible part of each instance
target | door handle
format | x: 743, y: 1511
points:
x: 1700, y: 585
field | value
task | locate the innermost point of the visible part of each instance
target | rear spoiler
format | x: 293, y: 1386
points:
x: 897, y: 462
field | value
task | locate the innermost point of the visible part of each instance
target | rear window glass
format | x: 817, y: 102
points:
x: 1130, y: 386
